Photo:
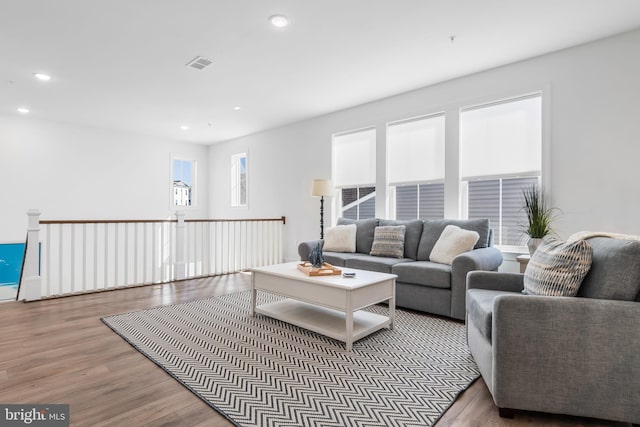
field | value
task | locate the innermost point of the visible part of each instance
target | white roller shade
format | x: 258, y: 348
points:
x: 501, y: 139
x: 354, y: 157
x: 416, y: 150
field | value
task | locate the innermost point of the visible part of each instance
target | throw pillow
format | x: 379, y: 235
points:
x: 341, y: 238
x: 452, y: 242
x: 388, y: 241
x: 557, y: 268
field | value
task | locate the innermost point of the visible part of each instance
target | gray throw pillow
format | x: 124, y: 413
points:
x: 411, y: 236
x: 557, y: 268
x: 388, y: 241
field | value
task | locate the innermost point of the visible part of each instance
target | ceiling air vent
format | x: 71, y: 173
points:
x: 199, y: 63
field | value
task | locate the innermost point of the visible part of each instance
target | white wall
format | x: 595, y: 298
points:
x: 592, y: 133
x: 75, y: 172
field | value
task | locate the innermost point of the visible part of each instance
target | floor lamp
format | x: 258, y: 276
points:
x: 322, y: 188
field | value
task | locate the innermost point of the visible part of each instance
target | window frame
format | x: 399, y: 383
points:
x: 236, y: 181
x: 338, y: 207
x: 541, y: 174
x: 194, y: 183
x: 391, y: 186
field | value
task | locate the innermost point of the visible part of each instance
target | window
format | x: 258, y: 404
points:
x: 423, y: 201
x: 354, y: 164
x: 416, y: 167
x: 239, y: 181
x: 500, y: 155
x: 183, y: 172
x: 359, y: 202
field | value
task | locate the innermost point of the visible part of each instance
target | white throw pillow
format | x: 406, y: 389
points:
x: 341, y: 238
x: 452, y: 242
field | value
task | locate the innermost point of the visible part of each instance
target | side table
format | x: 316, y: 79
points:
x: 523, y: 260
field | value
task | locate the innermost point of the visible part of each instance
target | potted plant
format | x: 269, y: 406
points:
x: 539, y: 216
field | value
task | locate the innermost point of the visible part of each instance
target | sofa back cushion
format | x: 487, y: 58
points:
x: 365, y: 229
x: 615, y: 270
x: 413, y: 232
x: 432, y: 229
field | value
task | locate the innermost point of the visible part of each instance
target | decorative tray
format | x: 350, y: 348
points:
x: 326, y: 269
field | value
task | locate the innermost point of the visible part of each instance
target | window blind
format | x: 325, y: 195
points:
x: 501, y: 201
x: 425, y: 201
x: 354, y: 158
x: 416, y: 150
x: 502, y: 138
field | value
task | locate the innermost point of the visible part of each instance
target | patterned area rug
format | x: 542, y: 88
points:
x: 264, y: 372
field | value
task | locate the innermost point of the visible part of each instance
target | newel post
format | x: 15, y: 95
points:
x: 181, y: 235
x: 30, y: 289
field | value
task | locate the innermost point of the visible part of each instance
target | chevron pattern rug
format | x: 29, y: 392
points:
x: 257, y: 371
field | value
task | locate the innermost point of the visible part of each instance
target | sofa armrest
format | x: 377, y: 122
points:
x: 577, y: 356
x: 495, y: 281
x: 477, y: 259
x: 305, y: 248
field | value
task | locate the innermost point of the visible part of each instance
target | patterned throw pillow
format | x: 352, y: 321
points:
x: 557, y: 268
x: 452, y: 242
x: 341, y: 238
x: 388, y: 241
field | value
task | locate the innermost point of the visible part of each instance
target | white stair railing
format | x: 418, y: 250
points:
x: 92, y: 255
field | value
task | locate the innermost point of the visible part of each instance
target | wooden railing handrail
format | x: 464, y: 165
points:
x: 123, y: 221
x: 283, y: 219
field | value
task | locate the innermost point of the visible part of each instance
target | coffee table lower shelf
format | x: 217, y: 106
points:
x: 325, y: 321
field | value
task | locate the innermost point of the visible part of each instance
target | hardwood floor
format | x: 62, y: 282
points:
x: 58, y: 351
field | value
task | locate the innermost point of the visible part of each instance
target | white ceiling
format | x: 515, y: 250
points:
x: 121, y: 63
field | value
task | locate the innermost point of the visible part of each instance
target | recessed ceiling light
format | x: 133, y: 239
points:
x: 236, y: 108
x: 279, y: 21
x: 184, y: 127
x: 42, y: 76
x: 23, y: 110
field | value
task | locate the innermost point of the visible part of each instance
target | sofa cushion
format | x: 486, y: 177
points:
x: 432, y: 229
x: 615, y: 270
x: 480, y: 308
x: 388, y: 241
x: 411, y: 236
x: 365, y: 229
x: 339, y: 259
x: 425, y: 273
x: 557, y: 268
x: 452, y: 242
x: 341, y: 238
x: 374, y: 263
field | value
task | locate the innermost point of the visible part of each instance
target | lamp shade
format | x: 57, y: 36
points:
x: 322, y: 187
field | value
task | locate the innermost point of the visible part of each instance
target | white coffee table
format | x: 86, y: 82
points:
x: 329, y: 305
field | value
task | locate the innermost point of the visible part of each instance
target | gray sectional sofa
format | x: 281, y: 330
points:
x: 421, y: 285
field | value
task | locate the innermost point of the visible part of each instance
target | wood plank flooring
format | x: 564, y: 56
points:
x: 58, y: 351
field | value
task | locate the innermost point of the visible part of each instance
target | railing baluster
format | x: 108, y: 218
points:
x: 72, y: 251
x: 106, y: 256
x: 84, y: 257
x: 116, y: 255
x: 135, y: 252
x: 48, y: 260
x: 126, y: 253
x: 95, y: 256
x: 60, y: 259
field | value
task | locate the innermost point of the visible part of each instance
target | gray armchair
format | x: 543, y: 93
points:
x: 566, y: 355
